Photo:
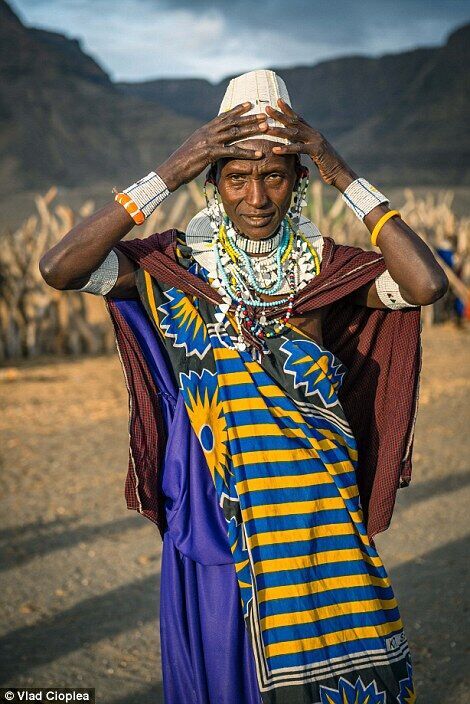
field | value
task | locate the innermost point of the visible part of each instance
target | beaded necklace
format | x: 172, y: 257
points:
x: 228, y: 257
x: 236, y: 272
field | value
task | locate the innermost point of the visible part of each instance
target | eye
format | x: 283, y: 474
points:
x: 274, y: 176
x: 237, y: 177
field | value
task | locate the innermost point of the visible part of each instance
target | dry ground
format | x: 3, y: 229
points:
x: 81, y: 573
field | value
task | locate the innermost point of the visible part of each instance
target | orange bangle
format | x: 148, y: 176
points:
x: 380, y: 223
x: 127, y: 202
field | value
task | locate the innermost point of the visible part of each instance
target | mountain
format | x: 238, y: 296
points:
x: 400, y: 118
x: 63, y: 121
x: 397, y: 115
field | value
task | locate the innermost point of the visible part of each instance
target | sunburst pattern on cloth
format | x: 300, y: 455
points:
x: 348, y: 693
x: 322, y: 375
x: 183, y: 323
x: 407, y: 694
x: 205, y: 410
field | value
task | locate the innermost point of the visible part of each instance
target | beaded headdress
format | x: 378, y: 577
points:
x: 261, y: 88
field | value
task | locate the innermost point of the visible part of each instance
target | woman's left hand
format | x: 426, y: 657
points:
x: 306, y: 140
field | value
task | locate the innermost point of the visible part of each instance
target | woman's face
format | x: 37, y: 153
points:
x: 256, y: 193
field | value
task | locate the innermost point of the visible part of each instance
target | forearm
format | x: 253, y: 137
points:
x: 69, y: 263
x: 408, y: 259
x: 82, y: 250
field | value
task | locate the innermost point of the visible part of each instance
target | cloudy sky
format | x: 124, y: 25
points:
x: 142, y: 39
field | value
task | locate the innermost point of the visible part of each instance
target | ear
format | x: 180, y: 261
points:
x: 211, y: 174
x: 300, y: 170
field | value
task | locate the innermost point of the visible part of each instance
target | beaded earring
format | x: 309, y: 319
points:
x: 299, y: 195
x: 214, y: 206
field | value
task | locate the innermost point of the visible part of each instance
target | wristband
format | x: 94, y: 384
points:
x: 361, y: 196
x: 141, y: 199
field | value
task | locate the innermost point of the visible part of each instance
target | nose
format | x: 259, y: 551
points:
x: 256, y: 194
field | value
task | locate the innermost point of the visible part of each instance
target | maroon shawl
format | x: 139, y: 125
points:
x: 380, y: 348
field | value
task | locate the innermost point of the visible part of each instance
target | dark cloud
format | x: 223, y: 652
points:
x: 139, y: 39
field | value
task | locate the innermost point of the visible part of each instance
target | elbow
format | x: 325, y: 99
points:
x: 51, y: 275
x: 433, y: 290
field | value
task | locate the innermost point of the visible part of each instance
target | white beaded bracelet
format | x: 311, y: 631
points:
x: 148, y: 193
x: 361, y: 196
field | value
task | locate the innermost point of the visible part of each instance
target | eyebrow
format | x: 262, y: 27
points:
x: 241, y: 168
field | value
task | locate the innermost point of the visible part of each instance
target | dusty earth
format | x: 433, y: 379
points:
x: 81, y: 572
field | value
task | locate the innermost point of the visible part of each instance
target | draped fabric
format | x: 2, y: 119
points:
x: 380, y: 348
x: 258, y: 465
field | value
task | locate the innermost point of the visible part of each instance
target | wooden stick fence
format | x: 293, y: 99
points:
x: 36, y: 319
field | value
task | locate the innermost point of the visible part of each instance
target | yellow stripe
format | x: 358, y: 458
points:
x: 264, y: 456
x: 328, y: 557
x: 283, y: 482
x: 349, y: 492
x: 292, y: 535
x: 151, y: 297
x: 313, y: 615
x: 342, y: 467
x: 254, y: 367
x: 225, y: 353
x: 240, y: 565
x: 232, y: 378
x: 263, y: 429
x: 320, y: 586
x: 294, y: 507
x: 344, y: 636
x: 240, y: 404
x: 271, y: 391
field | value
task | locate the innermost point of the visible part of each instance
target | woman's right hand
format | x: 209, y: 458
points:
x: 209, y: 143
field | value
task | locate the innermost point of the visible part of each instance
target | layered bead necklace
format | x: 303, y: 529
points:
x: 236, y: 269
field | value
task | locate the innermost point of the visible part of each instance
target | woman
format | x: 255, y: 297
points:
x: 273, y: 383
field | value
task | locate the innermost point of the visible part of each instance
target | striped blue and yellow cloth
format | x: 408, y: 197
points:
x: 317, y: 602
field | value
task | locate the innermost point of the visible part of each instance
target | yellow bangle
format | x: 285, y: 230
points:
x: 378, y: 225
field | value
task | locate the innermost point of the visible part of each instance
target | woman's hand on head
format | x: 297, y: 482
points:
x: 211, y: 142
x: 306, y: 140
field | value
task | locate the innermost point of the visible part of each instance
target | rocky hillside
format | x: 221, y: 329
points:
x: 401, y: 118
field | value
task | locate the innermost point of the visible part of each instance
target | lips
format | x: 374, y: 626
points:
x: 258, y: 220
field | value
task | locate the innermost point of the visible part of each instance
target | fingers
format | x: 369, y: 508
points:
x: 236, y: 152
x: 285, y: 107
x: 280, y: 116
x: 285, y: 132
x: 238, y: 131
x: 297, y: 148
x: 235, y: 112
x: 241, y: 121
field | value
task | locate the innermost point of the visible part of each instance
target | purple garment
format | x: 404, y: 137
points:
x: 206, y: 653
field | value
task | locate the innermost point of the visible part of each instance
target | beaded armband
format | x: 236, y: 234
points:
x: 141, y: 199
x: 361, y: 196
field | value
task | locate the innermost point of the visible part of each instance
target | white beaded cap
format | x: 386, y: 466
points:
x: 261, y: 88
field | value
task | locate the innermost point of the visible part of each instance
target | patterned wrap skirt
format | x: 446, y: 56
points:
x: 271, y: 592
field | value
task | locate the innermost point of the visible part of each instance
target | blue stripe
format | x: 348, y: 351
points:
x: 301, y: 520
x: 307, y: 657
x: 282, y: 496
x: 315, y: 574
x: 316, y: 601
x: 303, y: 547
x: 267, y: 443
x: 329, y: 625
x: 280, y: 468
